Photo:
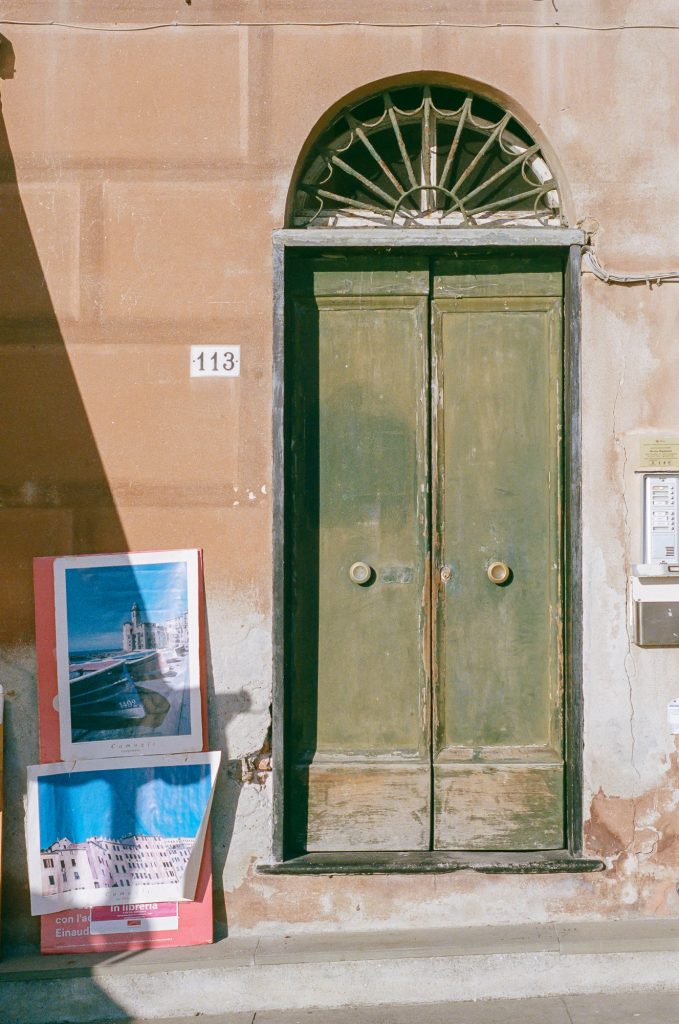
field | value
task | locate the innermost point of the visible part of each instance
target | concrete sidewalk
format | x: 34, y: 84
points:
x: 547, y: 973
x: 625, y: 1008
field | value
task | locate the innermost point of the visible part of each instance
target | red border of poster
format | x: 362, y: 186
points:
x: 70, y: 930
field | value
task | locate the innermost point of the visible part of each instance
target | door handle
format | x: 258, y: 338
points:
x: 360, y: 573
x: 498, y: 572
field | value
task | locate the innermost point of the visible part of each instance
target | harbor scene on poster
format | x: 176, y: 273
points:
x: 128, y: 653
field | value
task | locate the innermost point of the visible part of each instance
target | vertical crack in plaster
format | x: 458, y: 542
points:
x: 627, y: 535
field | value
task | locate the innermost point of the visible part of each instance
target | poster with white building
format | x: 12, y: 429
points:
x: 128, y: 653
x: 112, y: 831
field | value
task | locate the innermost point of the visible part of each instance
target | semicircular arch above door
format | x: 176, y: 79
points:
x: 426, y: 155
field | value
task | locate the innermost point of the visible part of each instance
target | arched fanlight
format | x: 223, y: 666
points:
x: 425, y: 155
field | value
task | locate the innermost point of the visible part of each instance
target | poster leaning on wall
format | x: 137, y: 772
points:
x: 127, y: 925
x: 128, y: 653
x: 115, y: 832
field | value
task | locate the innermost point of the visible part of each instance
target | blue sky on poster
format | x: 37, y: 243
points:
x: 167, y: 800
x: 98, y: 600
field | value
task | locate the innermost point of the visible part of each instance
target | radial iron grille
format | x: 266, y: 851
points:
x: 426, y: 155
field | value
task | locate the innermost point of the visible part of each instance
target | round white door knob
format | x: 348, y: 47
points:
x: 360, y: 573
x: 498, y: 572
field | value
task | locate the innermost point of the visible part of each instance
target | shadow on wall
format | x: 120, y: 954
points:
x: 55, y: 499
x: 54, y: 496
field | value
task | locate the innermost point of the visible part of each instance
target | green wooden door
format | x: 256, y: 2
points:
x: 497, y: 755
x: 423, y: 427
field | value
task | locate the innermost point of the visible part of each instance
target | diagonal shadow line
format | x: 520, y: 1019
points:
x: 54, y: 493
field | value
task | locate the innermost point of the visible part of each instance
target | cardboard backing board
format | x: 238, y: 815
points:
x: 131, y: 927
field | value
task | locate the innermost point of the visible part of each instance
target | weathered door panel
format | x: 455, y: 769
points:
x: 361, y: 768
x: 497, y: 748
x: 366, y: 805
x: 499, y: 807
x: 517, y: 273
x: 375, y: 750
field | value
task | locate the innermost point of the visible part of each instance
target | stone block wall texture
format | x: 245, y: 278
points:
x: 142, y: 173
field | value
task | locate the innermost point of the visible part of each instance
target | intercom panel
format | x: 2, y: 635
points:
x: 655, y: 582
x: 661, y: 542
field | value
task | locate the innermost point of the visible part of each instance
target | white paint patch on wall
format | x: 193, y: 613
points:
x: 251, y: 840
x: 626, y: 744
x: 239, y: 673
x: 608, y: 737
x: 239, y: 690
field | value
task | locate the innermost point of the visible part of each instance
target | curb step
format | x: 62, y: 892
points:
x: 237, y: 977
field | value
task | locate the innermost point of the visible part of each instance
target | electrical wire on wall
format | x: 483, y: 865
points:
x: 626, y: 26
x: 591, y: 264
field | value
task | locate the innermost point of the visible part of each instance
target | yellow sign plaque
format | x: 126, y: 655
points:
x: 659, y: 451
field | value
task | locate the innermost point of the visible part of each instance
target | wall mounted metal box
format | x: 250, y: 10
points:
x: 655, y: 582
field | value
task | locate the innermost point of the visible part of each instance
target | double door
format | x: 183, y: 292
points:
x: 424, y: 690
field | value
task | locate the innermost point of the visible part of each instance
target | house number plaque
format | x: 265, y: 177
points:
x: 215, y: 361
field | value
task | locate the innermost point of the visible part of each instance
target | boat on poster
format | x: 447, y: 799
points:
x: 106, y: 693
x: 128, y: 653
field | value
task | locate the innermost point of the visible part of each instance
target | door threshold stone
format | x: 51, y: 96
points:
x: 441, y: 862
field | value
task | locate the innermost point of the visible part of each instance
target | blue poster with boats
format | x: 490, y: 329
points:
x: 128, y: 653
